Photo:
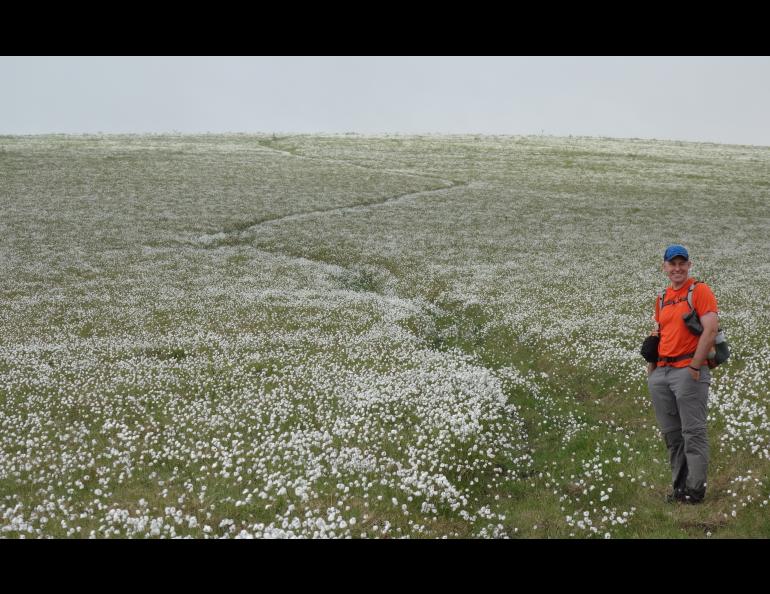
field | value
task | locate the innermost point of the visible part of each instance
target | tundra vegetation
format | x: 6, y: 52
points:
x: 236, y: 336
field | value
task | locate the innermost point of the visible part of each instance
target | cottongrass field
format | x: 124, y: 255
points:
x: 251, y: 336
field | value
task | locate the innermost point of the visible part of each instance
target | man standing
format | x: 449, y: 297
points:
x: 680, y: 379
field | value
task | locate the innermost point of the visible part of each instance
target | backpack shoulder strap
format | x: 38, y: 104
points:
x: 689, y: 295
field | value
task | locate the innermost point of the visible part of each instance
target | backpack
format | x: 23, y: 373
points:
x: 721, y: 350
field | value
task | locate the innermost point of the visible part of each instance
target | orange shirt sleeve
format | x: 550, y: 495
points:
x: 703, y: 300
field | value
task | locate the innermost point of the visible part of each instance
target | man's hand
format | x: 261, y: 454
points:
x: 694, y: 373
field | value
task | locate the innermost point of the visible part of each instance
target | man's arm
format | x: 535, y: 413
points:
x: 710, y: 323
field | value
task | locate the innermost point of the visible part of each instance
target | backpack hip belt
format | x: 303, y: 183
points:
x: 667, y: 360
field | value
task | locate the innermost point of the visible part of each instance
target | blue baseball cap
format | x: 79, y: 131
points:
x: 675, y: 250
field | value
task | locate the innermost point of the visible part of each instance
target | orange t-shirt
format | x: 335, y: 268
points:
x: 675, y: 338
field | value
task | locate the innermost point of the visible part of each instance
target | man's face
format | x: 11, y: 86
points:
x: 677, y: 269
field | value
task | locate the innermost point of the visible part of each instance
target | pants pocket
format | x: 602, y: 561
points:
x: 664, y: 403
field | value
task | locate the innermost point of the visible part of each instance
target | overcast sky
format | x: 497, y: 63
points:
x: 714, y: 99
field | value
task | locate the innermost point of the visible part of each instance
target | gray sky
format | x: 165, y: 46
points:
x: 714, y: 99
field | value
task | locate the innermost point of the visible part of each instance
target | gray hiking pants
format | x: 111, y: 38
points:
x: 680, y: 406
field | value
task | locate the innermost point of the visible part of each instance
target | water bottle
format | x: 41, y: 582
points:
x: 718, y: 339
x: 720, y: 352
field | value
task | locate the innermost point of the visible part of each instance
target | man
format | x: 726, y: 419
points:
x: 680, y: 379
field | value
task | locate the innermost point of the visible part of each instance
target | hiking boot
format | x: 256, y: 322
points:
x: 675, y: 496
x: 692, y: 497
